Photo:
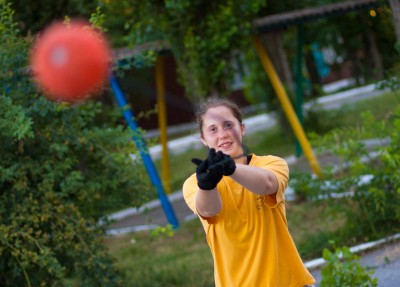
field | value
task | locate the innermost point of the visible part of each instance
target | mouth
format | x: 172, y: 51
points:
x: 225, y: 145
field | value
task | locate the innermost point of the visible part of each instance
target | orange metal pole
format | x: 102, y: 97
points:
x: 162, y: 122
x: 287, y: 106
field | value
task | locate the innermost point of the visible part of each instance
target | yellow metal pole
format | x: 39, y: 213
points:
x: 287, y: 106
x: 162, y: 122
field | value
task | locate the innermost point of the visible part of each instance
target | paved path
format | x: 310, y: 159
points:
x: 149, y: 218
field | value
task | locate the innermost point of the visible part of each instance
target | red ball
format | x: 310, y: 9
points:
x: 70, y: 62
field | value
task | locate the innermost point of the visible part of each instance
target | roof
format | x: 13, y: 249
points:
x: 279, y: 21
x: 126, y: 53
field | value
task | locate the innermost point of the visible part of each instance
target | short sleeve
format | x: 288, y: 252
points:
x: 280, y: 169
x: 189, y: 192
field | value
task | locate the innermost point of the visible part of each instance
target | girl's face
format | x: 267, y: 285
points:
x: 222, y: 131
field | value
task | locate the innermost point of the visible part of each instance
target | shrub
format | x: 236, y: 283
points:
x: 343, y: 268
x: 62, y: 167
x: 369, y: 173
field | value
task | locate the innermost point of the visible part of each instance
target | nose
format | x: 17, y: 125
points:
x: 222, y: 133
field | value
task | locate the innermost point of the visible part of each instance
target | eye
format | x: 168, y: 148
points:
x: 228, y: 125
x: 212, y: 129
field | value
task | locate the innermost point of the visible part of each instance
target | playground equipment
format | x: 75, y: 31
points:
x: 287, y: 106
x: 144, y: 153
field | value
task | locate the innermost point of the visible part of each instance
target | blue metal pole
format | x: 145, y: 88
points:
x: 144, y: 153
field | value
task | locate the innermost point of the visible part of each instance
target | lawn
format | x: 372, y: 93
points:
x: 184, y: 259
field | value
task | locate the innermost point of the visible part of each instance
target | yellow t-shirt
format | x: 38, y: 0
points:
x: 249, y: 239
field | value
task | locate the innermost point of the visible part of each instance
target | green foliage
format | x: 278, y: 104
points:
x: 62, y: 167
x: 44, y: 241
x: 370, y: 172
x: 97, y: 19
x: 32, y: 16
x: 392, y: 76
x: 350, y: 36
x: 343, y: 268
x: 201, y: 35
x: 255, y: 88
x: 320, y: 121
x: 163, y: 231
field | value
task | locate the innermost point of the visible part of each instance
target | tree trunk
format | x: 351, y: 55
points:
x: 395, y: 6
x: 376, y: 56
x: 273, y: 43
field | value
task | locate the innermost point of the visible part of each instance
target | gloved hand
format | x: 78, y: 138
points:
x: 228, y: 164
x: 225, y: 160
x: 210, y: 171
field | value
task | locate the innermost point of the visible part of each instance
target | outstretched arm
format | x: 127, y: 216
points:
x: 255, y: 179
x: 208, y: 174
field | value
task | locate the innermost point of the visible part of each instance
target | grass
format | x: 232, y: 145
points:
x: 184, y: 259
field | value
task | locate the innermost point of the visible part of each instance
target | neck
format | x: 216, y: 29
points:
x: 242, y: 159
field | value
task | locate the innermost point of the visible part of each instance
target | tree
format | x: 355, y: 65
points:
x: 201, y: 34
x: 32, y: 16
x: 204, y: 37
x: 62, y: 167
x: 395, y: 6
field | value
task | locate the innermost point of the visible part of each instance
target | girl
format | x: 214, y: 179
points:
x: 241, y: 205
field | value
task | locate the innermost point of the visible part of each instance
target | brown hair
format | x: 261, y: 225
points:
x: 214, y: 102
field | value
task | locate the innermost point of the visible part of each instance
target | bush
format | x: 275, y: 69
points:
x: 369, y: 173
x: 344, y: 269
x: 62, y: 167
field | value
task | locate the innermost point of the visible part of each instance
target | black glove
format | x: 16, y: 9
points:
x: 225, y: 160
x: 228, y: 164
x: 209, y: 171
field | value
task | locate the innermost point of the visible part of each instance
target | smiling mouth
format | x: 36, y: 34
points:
x: 225, y: 145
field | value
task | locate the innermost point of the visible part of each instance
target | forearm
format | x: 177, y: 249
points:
x: 255, y: 179
x: 208, y: 202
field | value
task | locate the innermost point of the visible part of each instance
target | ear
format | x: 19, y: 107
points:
x: 203, y: 141
x: 243, y: 129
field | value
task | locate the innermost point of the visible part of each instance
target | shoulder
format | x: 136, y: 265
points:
x: 275, y: 164
x: 189, y: 191
x: 279, y: 167
x: 270, y: 160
